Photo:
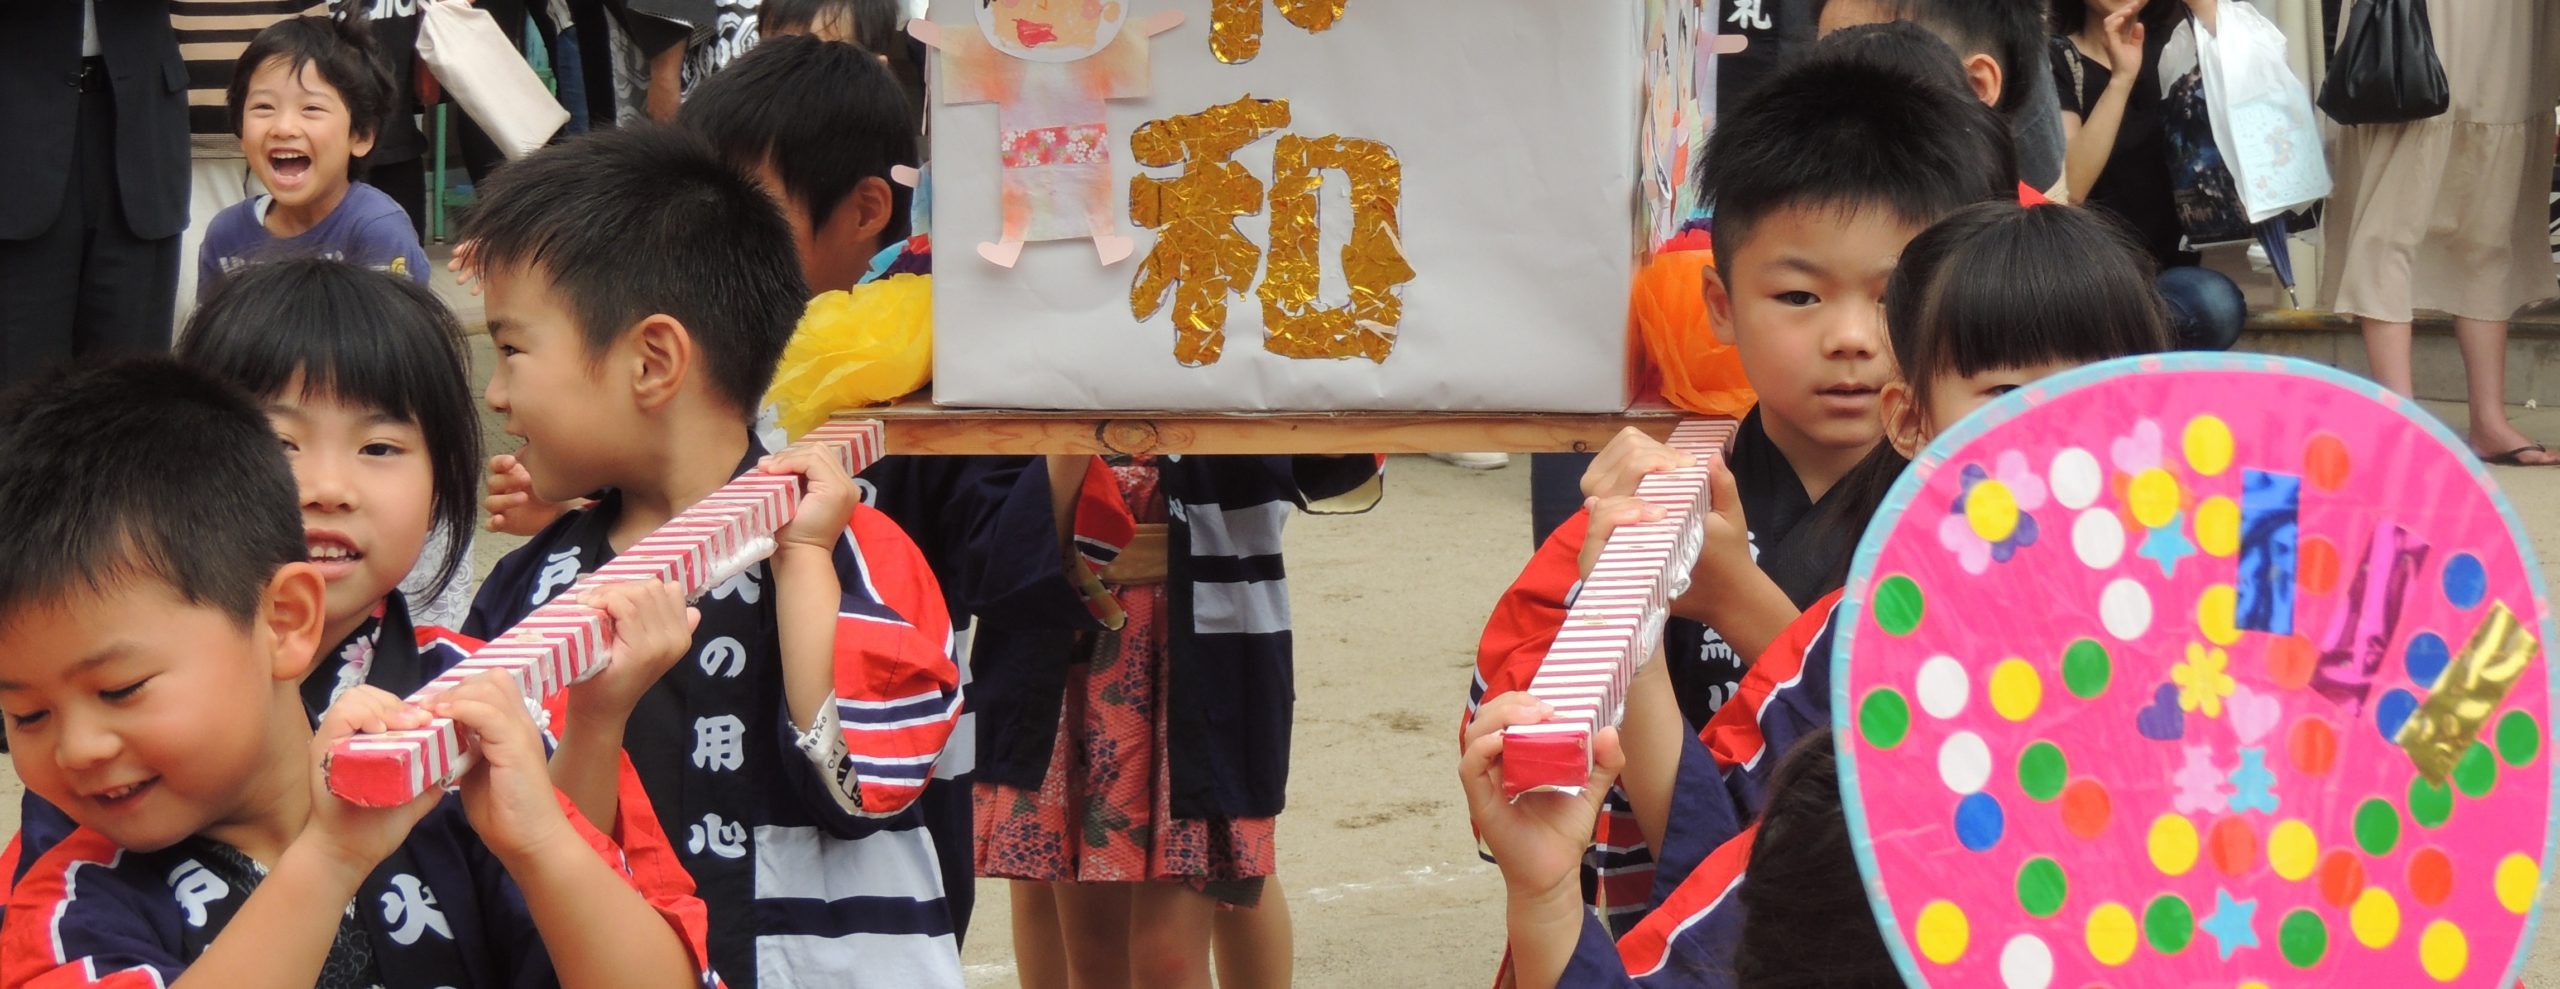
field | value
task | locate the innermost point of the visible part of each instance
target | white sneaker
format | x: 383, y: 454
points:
x: 1475, y: 461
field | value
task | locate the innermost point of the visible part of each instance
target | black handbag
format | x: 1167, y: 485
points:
x: 2385, y: 70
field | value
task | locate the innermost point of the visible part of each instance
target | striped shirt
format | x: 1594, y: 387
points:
x: 810, y: 845
x: 211, y: 36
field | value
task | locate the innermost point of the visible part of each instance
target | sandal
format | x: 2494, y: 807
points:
x: 2515, y: 457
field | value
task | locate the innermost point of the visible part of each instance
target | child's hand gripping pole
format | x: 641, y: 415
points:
x: 563, y: 642
x: 1614, y: 623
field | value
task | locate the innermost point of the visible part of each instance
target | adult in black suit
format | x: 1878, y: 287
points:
x: 93, y: 187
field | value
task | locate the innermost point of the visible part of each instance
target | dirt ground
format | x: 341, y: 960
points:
x: 1381, y: 873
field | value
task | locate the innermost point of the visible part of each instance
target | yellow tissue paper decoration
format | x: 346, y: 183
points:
x: 1295, y: 321
x: 867, y: 346
x: 1200, y: 257
x: 1235, y: 26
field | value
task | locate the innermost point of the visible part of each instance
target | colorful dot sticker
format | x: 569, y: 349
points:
x: 2042, y: 887
x: 2209, y: 445
x: 2326, y: 461
x: 2097, y: 538
x: 2125, y: 608
x: 2086, y: 669
x: 1980, y: 822
x: 2016, y: 690
x: 2517, y: 881
x: 2465, y: 581
x: 2444, y: 951
x: 1943, y: 687
x: 2293, y: 850
x: 1898, y: 605
x: 2218, y: 526
x: 2425, y: 658
x: 2076, y: 478
x: 1992, y: 511
x: 2042, y: 771
x: 2153, y: 497
x: 2111, y: 934
x: 2375, y: 919
x: 2430, y: 804
x: 1885, y: 718
x: 2174, y: 845
x: 2122, y: 678
x: 2377, y: 827
x: 2026, y: 963
x: 2430, y: 876
x: 1942, y: 932
x: 2169, y: 924
x: 2519, y: 738
x: 2477, y: 773
x: 2303, y: 937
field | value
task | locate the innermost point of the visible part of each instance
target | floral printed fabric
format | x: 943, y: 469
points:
x: 1085, y: 144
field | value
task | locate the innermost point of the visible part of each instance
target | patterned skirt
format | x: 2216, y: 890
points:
x: 1104, y: 812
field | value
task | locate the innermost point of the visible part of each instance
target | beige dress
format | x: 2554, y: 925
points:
x: 2448, y: 213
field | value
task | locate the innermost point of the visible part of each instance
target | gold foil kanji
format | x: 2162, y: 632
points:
x: 1295, y: 320
x: 1235, y: 26
x: 1199, y: 258
x: 2444, y: 727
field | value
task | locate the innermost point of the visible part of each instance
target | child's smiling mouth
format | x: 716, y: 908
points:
x: 1033, y: 34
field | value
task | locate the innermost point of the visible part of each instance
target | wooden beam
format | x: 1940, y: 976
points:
x: 916, y: 426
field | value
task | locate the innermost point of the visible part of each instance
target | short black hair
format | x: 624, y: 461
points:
x: 1842, y: 130
x: 1999, y: 285
x: 1806, y: 921
x: 142, y: 469
x: 364, y: 338
x: 2012, y: 32
x: 343, y: 51
x: 825, y: 115
x: 1904, y: 47
x: 647, y: 220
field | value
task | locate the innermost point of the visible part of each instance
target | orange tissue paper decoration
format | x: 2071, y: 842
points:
x: 1669, y: 314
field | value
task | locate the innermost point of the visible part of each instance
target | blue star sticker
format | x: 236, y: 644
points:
x: 2252, y: 786
x: 2167, y: 545
x: 2234, y: 923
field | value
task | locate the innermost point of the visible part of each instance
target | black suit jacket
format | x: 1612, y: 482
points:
x: 39, y: 111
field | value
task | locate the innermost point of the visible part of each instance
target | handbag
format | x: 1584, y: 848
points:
x: 2385, y: 70
x: 488, y: 77
x: 2201, y: 186
x: 2261, y: 114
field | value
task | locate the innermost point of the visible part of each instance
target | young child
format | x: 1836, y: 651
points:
x: 385, y: 446
x: 639, y: 292
x: 306, y: 100
x: 878, y: 26
x: 2002, y: 45
x: 1817, y: 181
x: 155, y: 625
x: 1988, y: 300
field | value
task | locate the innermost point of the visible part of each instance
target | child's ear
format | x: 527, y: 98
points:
x: 1719, y: 303
x: 860, y: 221
x: 661, y: 354
x: 292, y: 615
x: 360, y: 146
x: 1983, y: 71
x: 1906, y: 424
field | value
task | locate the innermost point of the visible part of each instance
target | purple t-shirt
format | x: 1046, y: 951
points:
x: 367, y: 228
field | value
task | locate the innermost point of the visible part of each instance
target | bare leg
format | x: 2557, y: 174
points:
x: 1017, y: 222
x: 1095, y: 919
x: 2386, y: 347
x: 1039, y: 944
x: 1102, y: 216
x: 1254, y: 944
x: 2484, y: 371
x: 1169, y: 927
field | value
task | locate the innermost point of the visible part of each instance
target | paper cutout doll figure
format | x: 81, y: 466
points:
x: 1049, y: 66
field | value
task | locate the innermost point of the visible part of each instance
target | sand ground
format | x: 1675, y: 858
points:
x: 1381, y: 873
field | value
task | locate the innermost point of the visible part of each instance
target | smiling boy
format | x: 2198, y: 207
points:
x: 307, y: 99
